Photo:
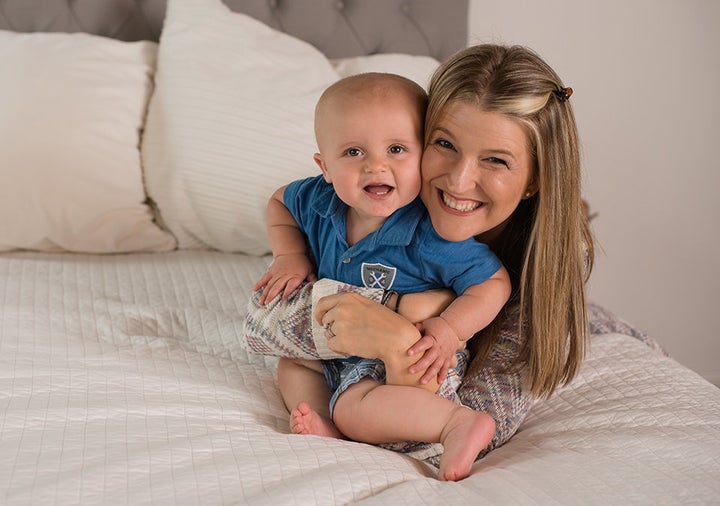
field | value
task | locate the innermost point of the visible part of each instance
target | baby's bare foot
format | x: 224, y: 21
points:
x: 303, y: 420
x: 464, y: 437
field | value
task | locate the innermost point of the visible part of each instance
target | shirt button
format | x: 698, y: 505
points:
x: 346, y: 260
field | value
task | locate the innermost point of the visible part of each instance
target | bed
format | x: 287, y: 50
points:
x: 136, y: 155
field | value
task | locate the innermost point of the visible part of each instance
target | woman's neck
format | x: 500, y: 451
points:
x: 492, y: 236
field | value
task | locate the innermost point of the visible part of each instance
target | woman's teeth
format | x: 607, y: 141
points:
x: 462, y: 206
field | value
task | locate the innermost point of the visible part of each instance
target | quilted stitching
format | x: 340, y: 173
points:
x: 122, y: 380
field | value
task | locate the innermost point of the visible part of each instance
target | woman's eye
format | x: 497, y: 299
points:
x: 496, y: 161
x: 444, y: 144
x: 396, y: 150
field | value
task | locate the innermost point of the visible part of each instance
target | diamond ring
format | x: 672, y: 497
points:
x: 328, y: 329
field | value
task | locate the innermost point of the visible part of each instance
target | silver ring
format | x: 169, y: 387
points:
x: 328, y: 329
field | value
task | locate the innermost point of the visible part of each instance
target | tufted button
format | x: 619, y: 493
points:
x: 273, y: 4
x: 405, y: 7
x: 346, y: 260
x: 339, y: 5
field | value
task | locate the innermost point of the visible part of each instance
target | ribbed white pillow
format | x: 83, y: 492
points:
x: 70, y: 118
x: 231, y: 120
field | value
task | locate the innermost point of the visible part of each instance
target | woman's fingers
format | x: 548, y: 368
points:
x: 347, y: 307
x: 324, y: 305
x: 364, y: 327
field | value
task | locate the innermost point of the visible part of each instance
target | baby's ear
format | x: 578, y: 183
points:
x: 318, y: 159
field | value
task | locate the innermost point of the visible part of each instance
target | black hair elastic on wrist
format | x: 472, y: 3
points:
x: 397, y: 302
x: 386, y: 296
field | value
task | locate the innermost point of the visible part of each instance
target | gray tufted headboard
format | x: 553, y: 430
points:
x: 339, y: 28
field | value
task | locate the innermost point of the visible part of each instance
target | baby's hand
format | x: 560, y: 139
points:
x: 438, y: 345
x: 284, y: 275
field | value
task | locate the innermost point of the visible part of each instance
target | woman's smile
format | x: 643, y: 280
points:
x: 460, y: 205
x: 476, y: 167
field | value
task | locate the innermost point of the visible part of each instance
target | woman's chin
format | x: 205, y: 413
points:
x: 453, y: 230
x: 456, y: 226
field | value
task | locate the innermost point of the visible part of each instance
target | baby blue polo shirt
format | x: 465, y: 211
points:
x: 405, y: 254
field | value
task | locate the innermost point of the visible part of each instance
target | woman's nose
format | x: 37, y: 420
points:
x: 461, y: 176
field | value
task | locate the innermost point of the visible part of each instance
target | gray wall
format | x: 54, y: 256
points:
x: 646, y: 76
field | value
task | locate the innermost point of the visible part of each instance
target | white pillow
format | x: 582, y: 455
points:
x: 70, y: 118
x: 416, y: 67
x: 231, y: 120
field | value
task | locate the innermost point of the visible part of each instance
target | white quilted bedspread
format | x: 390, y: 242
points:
x: 122, y: 382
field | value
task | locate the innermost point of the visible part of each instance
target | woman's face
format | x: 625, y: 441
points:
x: 476, y: 168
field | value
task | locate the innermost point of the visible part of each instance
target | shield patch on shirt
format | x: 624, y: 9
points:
x: 378, y: 275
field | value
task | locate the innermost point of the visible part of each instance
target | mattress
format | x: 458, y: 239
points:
x: 123, y: 381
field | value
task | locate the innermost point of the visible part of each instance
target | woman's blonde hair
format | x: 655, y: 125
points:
x: 546, y: 246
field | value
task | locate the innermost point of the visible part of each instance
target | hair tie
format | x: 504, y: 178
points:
x: 563, y: 94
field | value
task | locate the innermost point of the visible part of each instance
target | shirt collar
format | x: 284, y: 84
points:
x: 398, y: 229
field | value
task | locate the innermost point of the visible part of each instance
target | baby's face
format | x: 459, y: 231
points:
x: 370, y: 150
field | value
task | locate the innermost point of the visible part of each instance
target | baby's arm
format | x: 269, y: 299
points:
x: 291, y: 264
x: 420, y: 306
x: 466, y: 315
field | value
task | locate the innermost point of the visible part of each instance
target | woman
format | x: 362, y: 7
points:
x: 501, y: 164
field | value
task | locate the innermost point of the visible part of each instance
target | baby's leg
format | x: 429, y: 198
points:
x: 464, y: 436
x: 376, y: 413
x: 307, y: 397
x: 304, y: 420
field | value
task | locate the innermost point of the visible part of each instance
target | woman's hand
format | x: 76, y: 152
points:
x: 365, y: 328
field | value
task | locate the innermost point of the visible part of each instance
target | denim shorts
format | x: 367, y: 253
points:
x: 343, y: 372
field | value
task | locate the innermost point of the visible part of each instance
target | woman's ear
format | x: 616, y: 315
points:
x: 531, y: 190
x: 318, y: 159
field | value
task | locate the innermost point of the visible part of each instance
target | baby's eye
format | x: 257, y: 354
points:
x: 353, y: 152
x: 396, y: 149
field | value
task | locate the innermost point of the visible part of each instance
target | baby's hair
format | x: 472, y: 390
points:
x: 369, y: 86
